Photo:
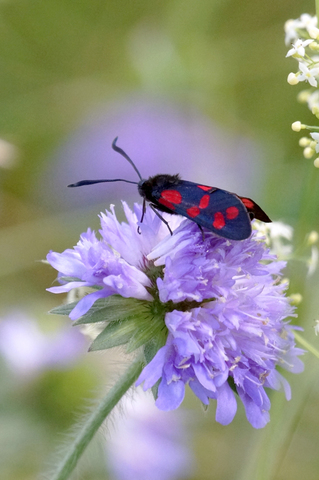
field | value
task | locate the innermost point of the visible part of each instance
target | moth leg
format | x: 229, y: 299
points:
x: 163, y: 219
x: 203, y: 234
x: 142, y: 217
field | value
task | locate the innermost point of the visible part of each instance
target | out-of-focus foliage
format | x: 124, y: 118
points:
x: 202, y: 84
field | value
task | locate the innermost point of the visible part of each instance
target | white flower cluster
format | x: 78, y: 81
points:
x: 303, y: 35
x: 293, y: 28
x: 279, y: 236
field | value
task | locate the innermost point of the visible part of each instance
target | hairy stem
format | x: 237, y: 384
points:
x: 95, y: 420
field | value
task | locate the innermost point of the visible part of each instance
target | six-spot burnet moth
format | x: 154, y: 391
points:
x: 224, y: 213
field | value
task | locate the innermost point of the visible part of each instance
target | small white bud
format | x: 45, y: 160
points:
x: 316, y: 162
x: 305, y: 142
x: 312, y: 145
x: 296, y: 298
x: 313, y: 237
x: 313, y: 32
x: 314, y: 47
x: 289, y: 24
x: 292, y: 79
x: 303, y: 96
x: 297, y: 126
x: 308, y: 152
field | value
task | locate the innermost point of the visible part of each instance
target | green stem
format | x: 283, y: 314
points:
x: 312, y: 127
x: 317, y: 8
x: 306, y: 344
x: 97, y: 418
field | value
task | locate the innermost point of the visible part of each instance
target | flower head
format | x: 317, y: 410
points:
x: 278, y: 237
x: 298, y: 48
x: 315, y: 136
x: 307, y: 21
x: 308, y: 74
x: 218, y: 302
x: 293, y: 28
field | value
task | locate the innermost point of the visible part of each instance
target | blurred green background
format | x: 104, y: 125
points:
x: 208, y: 79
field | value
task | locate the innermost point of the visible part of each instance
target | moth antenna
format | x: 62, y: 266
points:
x: 121, y: 152
x: 91, y: 182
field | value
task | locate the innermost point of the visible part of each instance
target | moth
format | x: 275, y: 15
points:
x: 224, y: 213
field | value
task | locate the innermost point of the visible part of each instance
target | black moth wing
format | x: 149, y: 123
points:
x: 254, y: 210
x: 217, y: 210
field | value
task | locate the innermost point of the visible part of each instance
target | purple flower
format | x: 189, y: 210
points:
x: 223, y: 305
x: 27, y: 350
x: 148, y: 443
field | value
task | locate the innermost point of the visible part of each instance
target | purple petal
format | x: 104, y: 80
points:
x: 68, y: 263
x: 202, y: 393
x: 153, y: 370
x: 84, y: 305
x: 67, y: 287
x: 255, y: 415
x: 203, y: 376
x: 226, y: 405
x: 171, y: 395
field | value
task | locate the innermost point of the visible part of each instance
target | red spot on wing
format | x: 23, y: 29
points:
x: 204, y: 187
x: 204, y: 201
x: 247, y: 202
x: 166, y: 203
x: 219, y: 221
x: 172, y: 196
x: 232, y: 212
x: 193, y: 211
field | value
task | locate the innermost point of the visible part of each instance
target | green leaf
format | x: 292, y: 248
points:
x: 63, y: 309
x: 232, y: 384
x: 66, y: 279
x: 111, y: 309
x: 155, y: 388
x: 66, y: 309
x: 151, y: 349
x: 151, y: 329
x: 115, y: 333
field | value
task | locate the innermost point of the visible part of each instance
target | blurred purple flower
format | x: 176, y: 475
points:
x: 27, y: 350
x: 222, y: 303
x: 161, y: 136
x: 148, y: 444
